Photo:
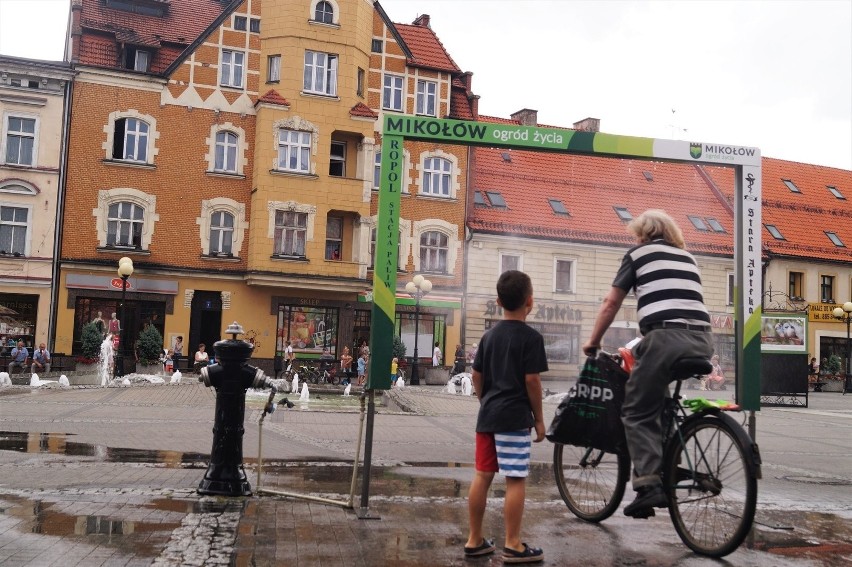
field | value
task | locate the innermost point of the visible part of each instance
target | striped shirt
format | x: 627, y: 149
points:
x: 667, y: 284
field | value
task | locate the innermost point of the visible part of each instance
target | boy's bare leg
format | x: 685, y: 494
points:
x: 477, y: 499
x: 513, y: 511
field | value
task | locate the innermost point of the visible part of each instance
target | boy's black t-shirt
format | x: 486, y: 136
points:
x: 507, y: 353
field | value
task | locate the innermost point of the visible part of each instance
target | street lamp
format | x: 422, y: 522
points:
x: 417, y: 288
x: 125, y: 270
x: 845, y: 314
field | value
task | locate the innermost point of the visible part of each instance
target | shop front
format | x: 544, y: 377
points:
x: 18, y: 316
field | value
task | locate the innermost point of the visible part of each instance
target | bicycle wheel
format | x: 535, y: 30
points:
x: 590, y: 481
x: 333, y: 378
x: 712, y: 493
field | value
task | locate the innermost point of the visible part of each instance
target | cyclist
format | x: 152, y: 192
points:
x: 674, y: 323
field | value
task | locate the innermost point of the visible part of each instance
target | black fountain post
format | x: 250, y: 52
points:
x: 231, y: 376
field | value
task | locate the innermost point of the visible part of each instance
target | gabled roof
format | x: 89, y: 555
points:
x: 589, y: 188
x: 272, y: 97
x: 104, y: 28
x: 363, y: 111
x: 802, y: 218
x: 426, y: 49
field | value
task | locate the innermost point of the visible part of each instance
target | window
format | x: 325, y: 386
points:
x: 337, y: 161
x: 240, y: 23
x: 479, y: 200
x: 221, y: 233
x: 290, y: 233
x: 623, y: 213
x: 334, y: 238
x: 143, y: 59
x: 433, y: 252
x: 377, y: 46
x: 835, y: 191
x: 497, y: 200
x: 796, y: 289
x: 509, y: 262
x: 124, y: 225
x: 254, y: 25
x: 320, y: 73
x: 232, y: 68
x: 426, y: 96
x: 24, y: 83
x: 563, y: 276
x: 731, y: 287
x: 697, y: 222
x: 392, y: 93
x: 715, y: 225
x: 773, y: 230
x: 377, y: 171
x: 226, y: 152
x: 130, y: 140
x: 359, y: 88
x: 400, y: 261
x: 20, y: 140
x: 324, y: 13
x: 648, y: 175
x: 826, y: 289
x: 835, y: 239
x: 791, y: 186
x: 273, y: 69
x: 436, y: 176
x: 294, y: 150
x: 14, y: 222
x: 558, y: 207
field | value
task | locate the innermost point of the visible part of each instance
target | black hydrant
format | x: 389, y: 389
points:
x: 231, y: 377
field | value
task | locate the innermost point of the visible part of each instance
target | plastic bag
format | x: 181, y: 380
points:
x: 590, y: 416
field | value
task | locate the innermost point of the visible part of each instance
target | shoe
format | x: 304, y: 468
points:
x: 528, y: 555
x: 647, y: 497
x: 485, y: 548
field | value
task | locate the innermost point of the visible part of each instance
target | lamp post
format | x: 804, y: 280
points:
x: 417, y: 288
x: 845, y: 314
x: 125, y: 270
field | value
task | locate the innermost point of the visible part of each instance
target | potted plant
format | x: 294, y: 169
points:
x: 149, y: 347
x: 90, y: 348
x: 833, y: 374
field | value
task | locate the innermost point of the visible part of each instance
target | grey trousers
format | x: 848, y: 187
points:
x: 645, y: 393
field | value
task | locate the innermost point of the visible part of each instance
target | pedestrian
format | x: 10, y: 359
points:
x: 394, y: 369
x: 471, y: 354
x: 346, y: 366
x: 458, y: 363
x: 169, y: 361
x: 507, y: 382
x: 289, y: 355
x: 177, y: 352
x: 362, y: 369
x: 19, y: 356
x: 674, y: 323
x: 716, y: 379
x: 436, y: 356
x: 202, y: 359
x: 41, y: 360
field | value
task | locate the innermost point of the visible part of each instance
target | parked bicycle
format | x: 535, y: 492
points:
x: 710, y: 472
x: 318, y: 375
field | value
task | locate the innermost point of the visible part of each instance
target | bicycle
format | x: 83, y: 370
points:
x: 319, y: 375
x: 710, y: 472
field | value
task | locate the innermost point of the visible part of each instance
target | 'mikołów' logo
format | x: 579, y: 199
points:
x: 695, y: 150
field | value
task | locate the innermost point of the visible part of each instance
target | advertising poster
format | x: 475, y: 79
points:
x: 784, y: 332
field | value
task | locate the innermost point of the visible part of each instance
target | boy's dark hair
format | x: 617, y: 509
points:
x: 513, y: 289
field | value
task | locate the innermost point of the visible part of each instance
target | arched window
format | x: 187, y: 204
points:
x: 226, y: 152
x: 436, y: 176
x: 434, y: 247
x: 124, y: 224
x: 324, y: 13
x: 221, y: 233
x: 130, y: 140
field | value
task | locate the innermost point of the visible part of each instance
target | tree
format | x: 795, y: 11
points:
x: 150, y: 345
x: 398, y: 348
x: 832, y: 365
x: 90, y: 339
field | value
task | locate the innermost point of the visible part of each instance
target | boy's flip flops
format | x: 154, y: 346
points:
x: 485, y: 548
x: 528, y: 555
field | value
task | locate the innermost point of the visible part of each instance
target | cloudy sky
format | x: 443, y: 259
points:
x: 767, y: 73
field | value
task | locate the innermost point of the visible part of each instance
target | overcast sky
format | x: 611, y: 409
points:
x: 767, y: 73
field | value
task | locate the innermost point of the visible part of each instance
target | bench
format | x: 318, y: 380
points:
x: 817, y: 386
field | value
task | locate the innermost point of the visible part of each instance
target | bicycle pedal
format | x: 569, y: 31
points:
x: 644, y: 514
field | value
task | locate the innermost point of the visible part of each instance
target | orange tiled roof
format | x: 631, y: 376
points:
x: 589, y: 187
x: 104, y: 28
x: 802, y: 218
x: 362, y: 110
x: 426, y: 49
x: 272, y: 97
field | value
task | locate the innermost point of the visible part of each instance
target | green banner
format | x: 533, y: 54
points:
x: 384, y: 271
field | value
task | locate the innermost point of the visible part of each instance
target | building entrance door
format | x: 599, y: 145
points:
x: 205, y: 322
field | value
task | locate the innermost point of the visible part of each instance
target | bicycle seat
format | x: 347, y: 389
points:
x: 690, y: 366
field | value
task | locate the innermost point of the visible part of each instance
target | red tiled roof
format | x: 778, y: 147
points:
x: 426, y: 49
x: 104, y: 28
x: 590, y: 187
x: 362, y: 110
x: 802, y: 218
x: 272, y: 97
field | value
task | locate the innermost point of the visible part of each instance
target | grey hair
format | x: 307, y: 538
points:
x: 656, y: 223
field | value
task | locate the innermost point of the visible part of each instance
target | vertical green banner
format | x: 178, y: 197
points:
x: 749, y: 288
x: 384, y: 272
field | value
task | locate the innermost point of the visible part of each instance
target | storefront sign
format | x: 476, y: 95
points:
x: 823, y: 313
x: 541, y: 312
x: 118, y: 283
x: 146, y: 285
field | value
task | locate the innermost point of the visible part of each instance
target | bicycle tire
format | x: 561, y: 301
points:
x: 712, y: 499
x: 590, y: 481
x: 333, y: 378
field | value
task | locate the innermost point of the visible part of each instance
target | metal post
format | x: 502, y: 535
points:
x: 847, y: 382
x: 363, y: 512
x: 415, y: 377
x: 119, y: 357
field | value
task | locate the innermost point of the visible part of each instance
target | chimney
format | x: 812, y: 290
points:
x: 75, y: 33
x: 422, y: 21
x: 526, y: 116
x: 588, y: 125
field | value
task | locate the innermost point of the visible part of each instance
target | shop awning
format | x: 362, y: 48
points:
x: 445, y: 302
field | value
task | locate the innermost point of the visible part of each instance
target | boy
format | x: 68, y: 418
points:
x: 394, y: 369
x: 507, y: 382
x: 362, y: 369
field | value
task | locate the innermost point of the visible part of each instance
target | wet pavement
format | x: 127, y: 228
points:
x: 107, y: 476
